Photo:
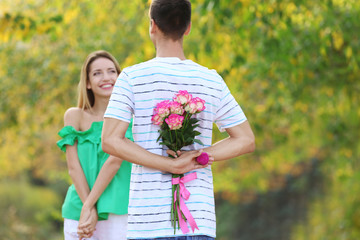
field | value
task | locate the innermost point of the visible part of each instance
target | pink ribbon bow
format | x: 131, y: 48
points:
x: 184, y: 194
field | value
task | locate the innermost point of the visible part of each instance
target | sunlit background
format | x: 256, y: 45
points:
x: 293, y: 66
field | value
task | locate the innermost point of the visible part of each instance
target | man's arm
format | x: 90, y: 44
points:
x: 241, y: 140
x: 115, y: 143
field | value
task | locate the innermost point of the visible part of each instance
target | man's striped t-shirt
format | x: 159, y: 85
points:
x: 137, y: 91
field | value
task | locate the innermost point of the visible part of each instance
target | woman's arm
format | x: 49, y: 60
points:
x: 72, y: 118
x: 81, y: 185
x: 106, y: 174
x: 76, y: 172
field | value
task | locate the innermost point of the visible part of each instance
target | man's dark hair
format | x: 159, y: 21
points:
x: 171, y: 16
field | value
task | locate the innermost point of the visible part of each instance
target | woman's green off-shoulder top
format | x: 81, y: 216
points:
x: 115, y: 198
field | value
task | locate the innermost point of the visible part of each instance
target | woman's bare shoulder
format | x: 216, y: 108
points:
x: 73, y: 116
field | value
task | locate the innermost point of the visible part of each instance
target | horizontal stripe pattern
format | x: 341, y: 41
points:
x: 137, y: 91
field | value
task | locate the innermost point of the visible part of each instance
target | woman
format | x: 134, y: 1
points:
x: 81, y: 140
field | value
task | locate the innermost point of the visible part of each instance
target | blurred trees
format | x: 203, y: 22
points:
x: 292, y: 65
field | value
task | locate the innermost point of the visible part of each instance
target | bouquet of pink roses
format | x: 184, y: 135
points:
x: 177, y: 129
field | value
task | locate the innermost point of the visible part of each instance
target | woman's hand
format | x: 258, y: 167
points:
x: 87, y: 222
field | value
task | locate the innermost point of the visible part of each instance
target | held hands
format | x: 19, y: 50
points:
x: 87, y: 222
x: 186, y: 161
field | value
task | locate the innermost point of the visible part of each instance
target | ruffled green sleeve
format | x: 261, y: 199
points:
x: 69, y: 136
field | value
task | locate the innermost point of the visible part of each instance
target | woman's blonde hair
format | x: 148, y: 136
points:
x: 86, y: 97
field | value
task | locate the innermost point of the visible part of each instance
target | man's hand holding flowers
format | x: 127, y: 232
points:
x: 177, y: 129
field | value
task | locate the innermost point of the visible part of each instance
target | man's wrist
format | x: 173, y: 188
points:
x: 173, y: 165
x: 169, y: 164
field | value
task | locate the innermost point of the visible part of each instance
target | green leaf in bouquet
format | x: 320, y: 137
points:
x: 195, y: 126
x: 186, y: 134
x: 167, y: 143
x: 191, y: 128
x: 193, y: 121
x: 165, y: 135
x: 163, y: 143
x: 197, y: 133
x: 198, y: 141
x: 189, y: 141
x: 188, y: 131
x: 178, y: 145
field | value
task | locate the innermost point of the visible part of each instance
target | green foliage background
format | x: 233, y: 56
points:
x: 292, y: 65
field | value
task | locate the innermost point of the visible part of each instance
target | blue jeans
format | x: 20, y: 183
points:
x: 199, y: 237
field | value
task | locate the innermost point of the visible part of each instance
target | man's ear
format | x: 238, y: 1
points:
x: 153, y: 26
x: 188, y: 29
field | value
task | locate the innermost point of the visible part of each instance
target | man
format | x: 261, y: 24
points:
x: 137, y: 91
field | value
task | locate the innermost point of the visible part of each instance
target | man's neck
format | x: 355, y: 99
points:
x: 169, y: 48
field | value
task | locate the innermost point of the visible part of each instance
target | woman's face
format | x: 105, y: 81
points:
x: 102, y: 77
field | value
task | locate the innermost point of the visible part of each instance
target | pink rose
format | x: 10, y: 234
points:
x: 176, y: 108
x: 200, y: 104
x: 183, y: 97
x: 162, y: 108
x: 191, y: 107
x: 174, y: 121
x: 203, y: 159
x: 157, y: 120
x: 195, y: 105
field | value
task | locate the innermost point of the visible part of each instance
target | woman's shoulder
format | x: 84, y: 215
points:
x: 74, y: 111
x: 73, y: 116
x: 78, y: 126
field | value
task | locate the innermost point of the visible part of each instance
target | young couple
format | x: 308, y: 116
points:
x: 111, y: 128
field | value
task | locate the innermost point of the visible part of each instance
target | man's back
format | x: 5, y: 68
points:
x: 138, y: 89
